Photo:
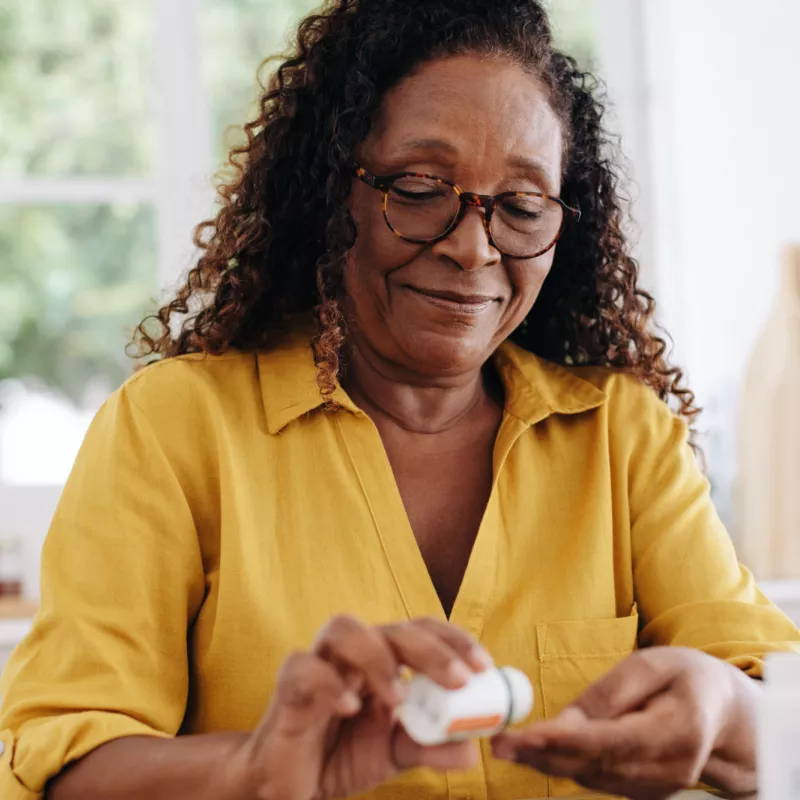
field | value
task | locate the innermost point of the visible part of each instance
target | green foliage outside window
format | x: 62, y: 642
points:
x: 240, y: 34
x: 75, y: 101
x: 72, y: 280
x: 74, y: 86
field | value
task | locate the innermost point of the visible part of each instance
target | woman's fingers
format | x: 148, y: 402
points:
x: 674, y: 775
x: 429, y: 651
x: 407, y: 754
x: 628, y: 685
x: 309, y: 692
x: 637, y: 750
x: 636, y: 779
x: 349, y: 644
x: 551, y: 763
x: 287, y: 749
x: 646, y: 730
x: 442, y: 652
x: 635, y: 736
x: 466, y: 646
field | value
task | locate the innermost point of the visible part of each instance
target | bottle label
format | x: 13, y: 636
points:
x: 472, y: 724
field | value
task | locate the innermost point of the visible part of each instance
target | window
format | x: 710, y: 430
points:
x: 575, y: 29
x: 77, y: 219
x: 95, y: 167
x: 113, y: 117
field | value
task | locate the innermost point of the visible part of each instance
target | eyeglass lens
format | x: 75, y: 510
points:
x: 424, y: 208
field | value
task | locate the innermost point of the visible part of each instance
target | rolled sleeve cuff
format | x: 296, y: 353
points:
x: 10, y: 787
x: 29, y: 759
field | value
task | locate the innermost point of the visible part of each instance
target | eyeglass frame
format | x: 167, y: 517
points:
x: 466, y: 200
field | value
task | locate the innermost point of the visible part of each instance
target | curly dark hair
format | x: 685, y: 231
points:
x: 279, y: 244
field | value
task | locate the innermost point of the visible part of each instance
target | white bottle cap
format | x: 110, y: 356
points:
x: 521, y: 693
x: 783, y: 670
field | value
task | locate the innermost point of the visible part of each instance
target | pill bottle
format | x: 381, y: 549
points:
x: 779, y: 729
x: 489, y: 702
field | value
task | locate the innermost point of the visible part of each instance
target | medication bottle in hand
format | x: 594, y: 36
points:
x: 490, y: 702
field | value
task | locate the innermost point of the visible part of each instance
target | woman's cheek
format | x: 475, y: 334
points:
x: 527, y: 279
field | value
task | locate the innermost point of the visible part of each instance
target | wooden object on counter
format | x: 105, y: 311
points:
x: 16, y: 608
x: 769, y: 464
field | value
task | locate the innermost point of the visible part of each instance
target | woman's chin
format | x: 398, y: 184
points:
x: 441, y: 354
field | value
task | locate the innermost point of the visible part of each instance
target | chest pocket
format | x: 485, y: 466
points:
x: 574, y: 655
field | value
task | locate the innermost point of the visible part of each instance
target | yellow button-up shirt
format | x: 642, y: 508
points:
x: 217, y: 515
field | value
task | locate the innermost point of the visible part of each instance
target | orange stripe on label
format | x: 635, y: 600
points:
x: 469, y: 724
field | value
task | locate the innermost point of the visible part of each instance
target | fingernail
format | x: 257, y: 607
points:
x: 572, y: 715
x: 459, y: 672
x: 399, y: 690
x: 482, y: 657
x: 349, y: 702
x: 535, y: 742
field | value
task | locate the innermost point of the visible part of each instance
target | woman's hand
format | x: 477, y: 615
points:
x: 329, y: 731
x: 661, y: 721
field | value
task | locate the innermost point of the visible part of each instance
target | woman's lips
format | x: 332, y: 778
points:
x: 454, y: 301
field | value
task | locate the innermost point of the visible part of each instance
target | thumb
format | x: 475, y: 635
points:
x: 627, y: 687
x: 287, y: 750
x: 308, y: 695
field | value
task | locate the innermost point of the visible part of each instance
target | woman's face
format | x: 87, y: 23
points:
x: 485, y: 124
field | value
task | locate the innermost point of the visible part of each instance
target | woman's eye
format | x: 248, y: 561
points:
x: 418, y: 190
x: 522, y: 211
x: 417, y: 194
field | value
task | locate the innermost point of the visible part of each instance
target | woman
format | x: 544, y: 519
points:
x: 467, y: 451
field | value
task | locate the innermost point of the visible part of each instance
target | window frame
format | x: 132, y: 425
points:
x: 180, y: 190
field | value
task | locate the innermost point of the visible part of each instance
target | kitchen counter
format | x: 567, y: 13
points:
x: 15, y: 608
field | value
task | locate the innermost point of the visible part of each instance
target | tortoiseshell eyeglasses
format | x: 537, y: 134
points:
x: 424, y: 209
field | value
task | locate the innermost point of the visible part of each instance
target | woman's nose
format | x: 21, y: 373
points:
x: 468, y: 245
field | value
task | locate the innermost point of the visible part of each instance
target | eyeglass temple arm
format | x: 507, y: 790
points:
x: 371, y: 180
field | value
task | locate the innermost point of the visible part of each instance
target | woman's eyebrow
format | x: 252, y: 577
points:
x: 429, y: 143
x: 525, y: 164
x: 532, y: 166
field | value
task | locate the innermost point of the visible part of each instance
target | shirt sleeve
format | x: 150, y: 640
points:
x: 689, y: 586
x: 122, y: 579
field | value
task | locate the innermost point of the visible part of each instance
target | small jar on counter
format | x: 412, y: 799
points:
x: 10, y: 568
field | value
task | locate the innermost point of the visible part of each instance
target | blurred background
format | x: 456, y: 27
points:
x: 114, y: 116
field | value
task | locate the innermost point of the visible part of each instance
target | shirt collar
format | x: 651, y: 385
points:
x: 534, y: 388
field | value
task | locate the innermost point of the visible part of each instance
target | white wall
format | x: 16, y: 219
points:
x: 720, y: 86
x: 724, y: 92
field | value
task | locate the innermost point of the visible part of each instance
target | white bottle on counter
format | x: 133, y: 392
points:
x: 779, y: 729
x: 490, y: 702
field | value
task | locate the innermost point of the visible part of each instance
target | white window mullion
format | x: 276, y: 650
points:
x: 66, y: 191
x: 183, y: 193
x: 620, y: 44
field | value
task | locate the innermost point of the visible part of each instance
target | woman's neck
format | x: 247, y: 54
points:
x: 413, y: 402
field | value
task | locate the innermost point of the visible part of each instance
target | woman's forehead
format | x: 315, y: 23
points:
x: 468, y: 108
